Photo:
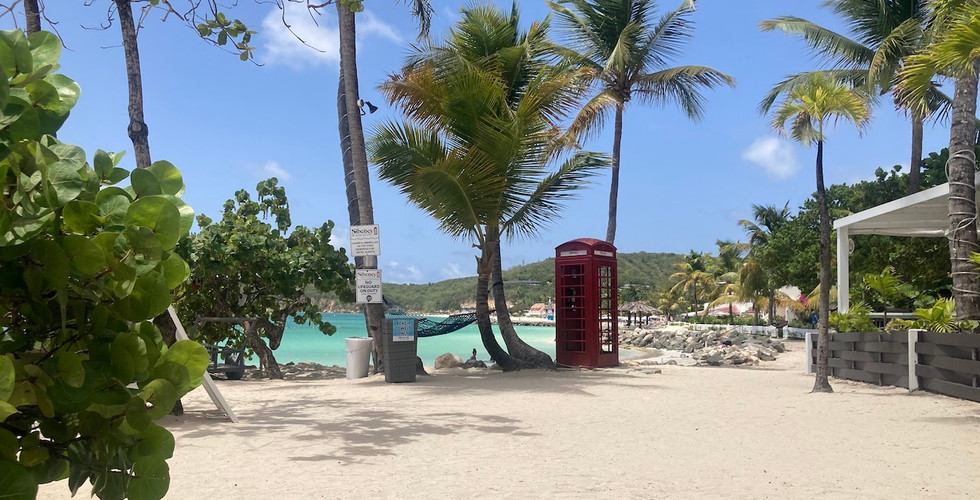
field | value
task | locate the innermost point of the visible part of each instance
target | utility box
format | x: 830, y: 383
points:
x: 400, y: 345
x: 586, y: 304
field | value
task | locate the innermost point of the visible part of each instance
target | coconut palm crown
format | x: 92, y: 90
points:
x: 625, y: 54
x: 479, y: 149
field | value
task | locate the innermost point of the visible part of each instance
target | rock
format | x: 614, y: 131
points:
x: 474, y: 363
x: 714, y: 358
x: 448, y: 360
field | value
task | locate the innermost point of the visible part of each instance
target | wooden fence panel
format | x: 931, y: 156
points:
x: 949, y: 363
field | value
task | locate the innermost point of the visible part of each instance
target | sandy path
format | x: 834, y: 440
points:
x: 690, y: 432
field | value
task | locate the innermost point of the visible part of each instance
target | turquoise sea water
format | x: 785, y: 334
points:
x: 306, y: 343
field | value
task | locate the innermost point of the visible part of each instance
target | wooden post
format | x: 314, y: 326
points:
x: 913, y: 360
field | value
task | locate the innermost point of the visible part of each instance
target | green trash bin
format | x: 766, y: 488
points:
x: 400, y: 346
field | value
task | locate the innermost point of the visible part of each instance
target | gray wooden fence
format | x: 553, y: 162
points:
x: 946, y: 363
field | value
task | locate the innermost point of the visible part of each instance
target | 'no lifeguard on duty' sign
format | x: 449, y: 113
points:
x: 368, y: 286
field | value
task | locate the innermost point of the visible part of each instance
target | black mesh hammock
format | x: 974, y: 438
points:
x: 428, y: 327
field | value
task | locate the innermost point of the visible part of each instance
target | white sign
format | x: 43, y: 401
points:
x: 403, y: 330
x: 364, y: 241
x: 368, y: 286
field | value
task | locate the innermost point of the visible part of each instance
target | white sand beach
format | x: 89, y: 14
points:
x: 688, y: 432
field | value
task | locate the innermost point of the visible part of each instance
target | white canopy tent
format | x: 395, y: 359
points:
x: 923, y: 214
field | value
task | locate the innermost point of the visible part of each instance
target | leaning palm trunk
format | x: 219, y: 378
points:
x: 138, y: 131
x: 373, y: 313
x: 821, y: 382
x: 614, y: 177
x: 497, y: 353
x: 515, y: 346
x: 962, y: 197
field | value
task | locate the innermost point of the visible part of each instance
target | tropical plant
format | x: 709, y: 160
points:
x: 85, y: 265
x: 889, y: 288
x: 693, y: 277
x: 941, y: 317
x: 478, y: 150
x: 758, y: 277
x: 954, y: 53
x: 360, y: 206
x: 808, y: 106
x: 247, y: 268
x: 626, y: 54
x: 857, y: 318
x: 886, y: 33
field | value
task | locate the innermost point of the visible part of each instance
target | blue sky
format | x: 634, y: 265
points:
x: 227, y: 125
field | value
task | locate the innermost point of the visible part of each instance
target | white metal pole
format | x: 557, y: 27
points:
x: 843, y: 268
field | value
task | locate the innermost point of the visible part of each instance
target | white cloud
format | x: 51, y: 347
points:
x: 275, y: 169
x: 340, y: 237
x: 283, y: 44
x: 395, y: 272
x: 775, y: 155
x: 451, y: 271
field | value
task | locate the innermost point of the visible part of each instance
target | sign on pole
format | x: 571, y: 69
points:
x: 368, y: 286
x: 365, y: 241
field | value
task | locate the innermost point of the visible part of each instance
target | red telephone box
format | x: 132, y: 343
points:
x: 587, y: 304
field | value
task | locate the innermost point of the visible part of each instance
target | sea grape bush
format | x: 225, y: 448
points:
x: 84, y: 265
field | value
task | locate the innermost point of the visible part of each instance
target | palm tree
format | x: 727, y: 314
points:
x: 478, y: 149
x: 954, y: 53
x: 808, y: 106
x: 767, y: 219
x: 625, y: 54
x: 692, y: 277
x: 886, y: 33
x: 356, y: 177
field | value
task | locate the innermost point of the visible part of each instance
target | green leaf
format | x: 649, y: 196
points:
x: 84, y: 254
x: 102, y: 163
x: 175, y: 271
x: 70, y: 369
x: 81, y: 217
x: 21, y: 51
x: 158, y: 214
x: 161, y: 394
x: 113, y: 204
x: 118, y: 175
x: 152, y: 480
x: 186, y: 213
x: 9, y: 446
x: 145, y: 183
x: 45, y: 48
x: 7, y: 62
x: 16, y: 483
x: 64, y: 180
x: 168, y: 177
x: 27, y: 124
x: 155, y: 441
x: 7, y: 378
x: 68, y: 91
x: 136, y: 415
x: 150, y: 297
x: 53, y: 263
x: 6, y: 410
x: 191, y: 358
x: 128, y: 356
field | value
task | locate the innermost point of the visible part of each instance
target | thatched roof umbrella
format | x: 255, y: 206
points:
x: 638, y: 308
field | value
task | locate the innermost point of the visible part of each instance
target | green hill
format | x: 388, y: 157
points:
x: 531, y: 283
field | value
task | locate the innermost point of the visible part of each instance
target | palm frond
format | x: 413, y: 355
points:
x: 838, y: 51
x: 682, y: 85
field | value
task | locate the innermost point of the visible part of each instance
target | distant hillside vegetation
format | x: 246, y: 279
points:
x: 530, y: 283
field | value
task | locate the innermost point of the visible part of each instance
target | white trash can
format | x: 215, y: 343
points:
x: 358, y: 356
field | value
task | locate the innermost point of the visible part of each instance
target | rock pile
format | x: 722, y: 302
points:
x: 302, y: 371
x: 711, y: 347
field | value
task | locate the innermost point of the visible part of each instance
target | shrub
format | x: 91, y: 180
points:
x: 84, y: 264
